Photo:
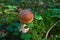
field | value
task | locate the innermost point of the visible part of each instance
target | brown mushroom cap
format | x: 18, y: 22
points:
x: 25, y: 16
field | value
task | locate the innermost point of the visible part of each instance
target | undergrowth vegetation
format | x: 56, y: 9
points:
x: 46, y: 14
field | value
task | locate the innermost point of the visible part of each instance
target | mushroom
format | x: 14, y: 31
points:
x: 25, y: 16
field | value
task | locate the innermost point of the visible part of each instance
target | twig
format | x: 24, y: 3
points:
x: 51, y: 28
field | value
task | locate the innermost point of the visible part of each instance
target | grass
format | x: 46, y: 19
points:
x: 45, y: 16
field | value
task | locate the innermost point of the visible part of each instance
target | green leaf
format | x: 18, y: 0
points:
x: 58, y: 16
x: 1, y: 36
x: 25, y: 36
x: 7, y: 13
x: 1, y: 12
x: 8, y: 21
x: 54, y: 12
x: 27, y: 39
x: 11, y: 7
x: 16, y: 29
x: 30, y: 25
x: 38, y: 17
x: 1, y: 25
x: 9, y: 28
x: 16, y: 24
x: 15, y: 33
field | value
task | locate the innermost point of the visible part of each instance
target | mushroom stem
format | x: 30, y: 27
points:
x: 23, y: 29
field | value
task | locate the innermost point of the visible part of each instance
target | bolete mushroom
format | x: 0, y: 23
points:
x: 25, y: 16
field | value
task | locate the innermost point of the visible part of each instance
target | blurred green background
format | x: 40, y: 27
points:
x: 46, y: 13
